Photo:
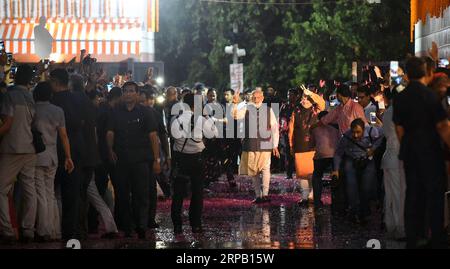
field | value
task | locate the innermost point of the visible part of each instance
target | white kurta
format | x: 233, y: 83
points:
x: 394, y: 179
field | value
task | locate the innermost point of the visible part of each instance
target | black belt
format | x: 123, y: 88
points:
x: 188, y: 154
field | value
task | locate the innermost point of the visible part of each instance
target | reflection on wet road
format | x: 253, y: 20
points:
x: 231, y: 221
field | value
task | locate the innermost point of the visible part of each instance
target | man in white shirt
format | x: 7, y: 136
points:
x: 369, y: 107
x: 188, y: 130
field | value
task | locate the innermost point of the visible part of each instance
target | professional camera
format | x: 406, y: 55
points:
x: 88, y: 60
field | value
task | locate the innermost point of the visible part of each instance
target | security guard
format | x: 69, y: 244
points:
x: 133, y: 143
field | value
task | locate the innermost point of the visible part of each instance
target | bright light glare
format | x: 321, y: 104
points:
x: 159, y: 80
x: 160, y: 99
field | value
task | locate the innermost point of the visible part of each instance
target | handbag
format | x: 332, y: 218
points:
x: 359, y: 163
x: 38, y: 142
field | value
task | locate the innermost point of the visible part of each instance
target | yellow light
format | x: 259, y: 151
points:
x: 160, y: 99
x: 56, y: 57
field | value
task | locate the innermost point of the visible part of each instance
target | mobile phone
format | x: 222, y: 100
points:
x: 46, y: 63
x: 109, y: 86
x: 394, y: 68
x: 10, y: 57
x: 443, y: 63
x: 2, y: 45
x: 12, y: 72
x: 381, y: 105
x: 373, y: 117
x: 448, y: 100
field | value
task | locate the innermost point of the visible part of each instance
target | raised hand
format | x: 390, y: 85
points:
x: 236, y: 96
x: 434, y: 51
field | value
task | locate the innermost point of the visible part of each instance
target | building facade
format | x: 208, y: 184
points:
x: 109, y: 30
x: 430, y: 22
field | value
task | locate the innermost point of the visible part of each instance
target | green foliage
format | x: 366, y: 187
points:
x: 286, y: 44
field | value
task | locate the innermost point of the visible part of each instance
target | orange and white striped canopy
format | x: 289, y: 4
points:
x: 105, y: 39
x: 110, y: 30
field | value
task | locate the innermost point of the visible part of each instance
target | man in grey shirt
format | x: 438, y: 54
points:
x: 17, y: 155
x: 50, y: 121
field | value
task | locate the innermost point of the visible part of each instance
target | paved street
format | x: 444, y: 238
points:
x: 231, y: 221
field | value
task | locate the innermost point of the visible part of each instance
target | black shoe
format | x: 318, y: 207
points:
x: 141, y: 234
x: 400, y: 239
x: 288, y: 177
x: 303, y: 202
x: 177, y: 229
x: 233, y: 185
x: 111, y: 235
x: 318, y: 205
x: 354, y: 219
x: 26, y: 239
x: 266, y: 199
x: 93, y: 231
x: 42, y: 239
x: 363, y: 221
x: 153, y: 225
x: 128, y: 235
x: 197, y: 229
x: 8, y: 239
x: 258, y: 200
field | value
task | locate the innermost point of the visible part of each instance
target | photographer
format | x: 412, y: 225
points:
x: 188, y: 130
x: 355, y: 152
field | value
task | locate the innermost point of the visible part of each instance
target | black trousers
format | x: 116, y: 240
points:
x: 320, y: 166
x: 70, y: 185
x: 190, y: 169
x: 424, y: 202
x: 133, y: 195
x: 153, y: 196
x: 289, y: 162
x: 338, y: 192
x: 232, y: 153
x: 163, y: 182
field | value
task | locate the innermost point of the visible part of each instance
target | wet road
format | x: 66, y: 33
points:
x: 231, y: 221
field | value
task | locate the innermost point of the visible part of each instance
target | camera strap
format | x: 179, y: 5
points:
x: 356, y: 143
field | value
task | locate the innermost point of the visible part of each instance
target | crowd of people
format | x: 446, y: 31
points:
x: 66, y: 138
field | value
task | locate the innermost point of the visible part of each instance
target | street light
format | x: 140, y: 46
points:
x: 234, y: 49
x: 229, y: 49
x: 241, y: 53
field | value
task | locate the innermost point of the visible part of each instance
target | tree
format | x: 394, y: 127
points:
x: 286, y: 44
x: 338, y: 33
